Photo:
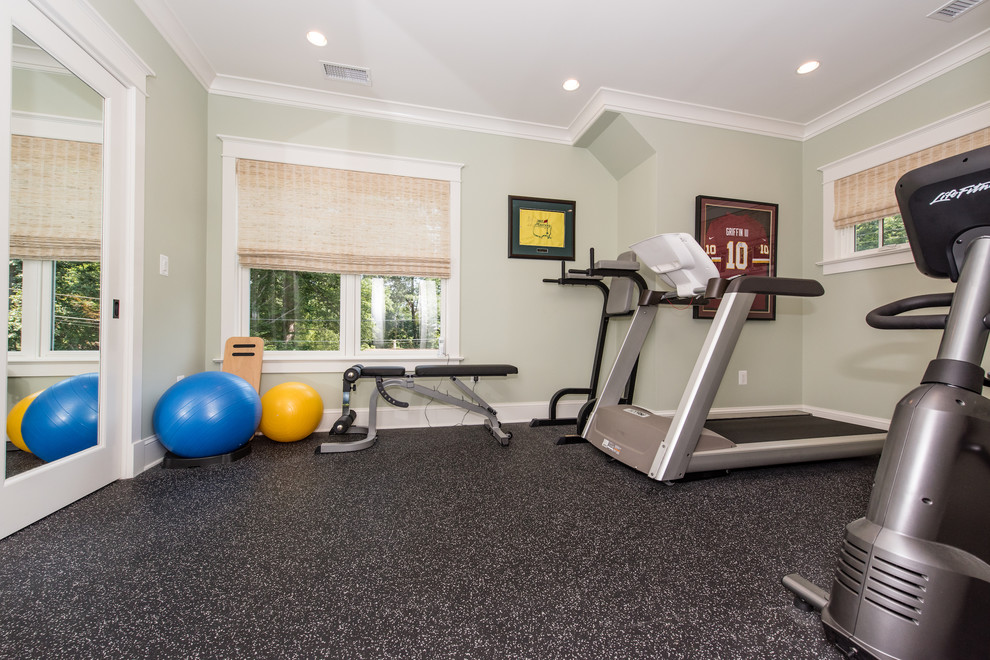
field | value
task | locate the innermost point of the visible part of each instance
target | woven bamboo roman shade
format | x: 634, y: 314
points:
x: 300, y: 217
x: 869, y: 194
x: 56, y: 199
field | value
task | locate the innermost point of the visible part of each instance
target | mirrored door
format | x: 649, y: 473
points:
x: 56, y: 220
x: 66, y: 186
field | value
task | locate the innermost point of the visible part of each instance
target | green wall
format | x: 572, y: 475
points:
x: 846, y: 364
x: 659, y: 196
x: 507, y: 313
x: 55, y: 94
x: 174, y: 209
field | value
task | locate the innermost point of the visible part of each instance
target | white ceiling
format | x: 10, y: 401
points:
x: 498, y: 65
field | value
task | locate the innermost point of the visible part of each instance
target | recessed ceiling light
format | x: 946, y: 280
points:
x: 316, y: 38
x: 571, y: 84
x: 808, y: 67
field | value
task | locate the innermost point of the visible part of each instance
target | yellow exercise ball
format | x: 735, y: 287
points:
x: 14, y: 418
x: 290, y: 412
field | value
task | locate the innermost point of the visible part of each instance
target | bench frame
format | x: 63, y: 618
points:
x: 389, y: 377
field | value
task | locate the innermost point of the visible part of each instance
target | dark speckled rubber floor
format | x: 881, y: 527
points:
x: 435, y: 543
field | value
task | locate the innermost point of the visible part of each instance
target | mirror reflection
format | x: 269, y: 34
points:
x: 53, y: 322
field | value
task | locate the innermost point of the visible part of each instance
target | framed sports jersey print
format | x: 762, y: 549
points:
x: 541, y: 228
x: 741, y: 239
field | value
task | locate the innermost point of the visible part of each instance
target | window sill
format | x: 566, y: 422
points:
x: 892, y: 256
x: 63, y: 368
x: 280, y: 363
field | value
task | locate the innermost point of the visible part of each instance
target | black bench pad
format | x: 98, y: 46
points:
x: 384, y: 372
x: 462, y: 370
x: 441, y: 371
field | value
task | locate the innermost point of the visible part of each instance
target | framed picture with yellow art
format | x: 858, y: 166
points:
x: 541, y: 228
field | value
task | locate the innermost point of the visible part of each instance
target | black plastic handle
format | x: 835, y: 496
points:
x: 777, y: 286
x: 886, y: 317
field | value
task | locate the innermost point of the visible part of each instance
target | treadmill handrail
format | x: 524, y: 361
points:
x: 776, y: 286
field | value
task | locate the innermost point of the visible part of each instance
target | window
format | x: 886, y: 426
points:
x: 75, y: 295
x: 54, y: 309
x: 882, y: 232
x: 400, y: 313
x: 14, y: 306
x: 55, y: 227
x: 295, y: 311
x: 861, y: 224
x: 299, y: 311
x: 339, y: 257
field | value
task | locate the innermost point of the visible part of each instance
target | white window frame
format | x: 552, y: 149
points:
x: 235, y: 279
x: 838, y: 254
x: 35, y: 357
x: 37, y: 295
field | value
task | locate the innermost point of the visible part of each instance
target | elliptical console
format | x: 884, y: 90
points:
x: 913, y: 576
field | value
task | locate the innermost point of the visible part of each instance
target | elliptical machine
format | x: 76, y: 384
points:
x: 912, y: 578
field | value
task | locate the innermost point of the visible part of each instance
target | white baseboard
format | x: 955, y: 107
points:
x: 851, y: 418
x: 149, y: 452
x: 756, y: 411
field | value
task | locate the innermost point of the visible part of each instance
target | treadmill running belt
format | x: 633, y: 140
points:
x: 783, y: 427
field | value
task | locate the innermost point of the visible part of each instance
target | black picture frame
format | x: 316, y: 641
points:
x: 541, y: 228
x: 740, y: 236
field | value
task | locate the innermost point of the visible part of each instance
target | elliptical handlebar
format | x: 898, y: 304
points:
x: 887, y: 317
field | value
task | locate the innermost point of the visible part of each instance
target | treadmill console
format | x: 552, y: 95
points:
x: 679, y: 260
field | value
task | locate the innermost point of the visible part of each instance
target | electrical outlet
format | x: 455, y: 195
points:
x: 163, y: 265
x: 743, y: 377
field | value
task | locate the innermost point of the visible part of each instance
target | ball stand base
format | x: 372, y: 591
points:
x: 172, y: 461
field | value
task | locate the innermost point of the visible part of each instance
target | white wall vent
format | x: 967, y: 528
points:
x: 346, y: 73
x: 950, y: 11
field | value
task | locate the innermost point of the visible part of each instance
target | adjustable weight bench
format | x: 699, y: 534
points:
x: 386, y: 377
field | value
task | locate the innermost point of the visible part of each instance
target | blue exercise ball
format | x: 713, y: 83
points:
x: 64, y: 418
x: 207, y: 414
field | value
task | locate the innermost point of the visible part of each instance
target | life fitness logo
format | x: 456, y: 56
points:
x: 950, y: 195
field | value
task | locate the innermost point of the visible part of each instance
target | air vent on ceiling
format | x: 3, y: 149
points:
x: 950, y: 11
x: 346, y: 73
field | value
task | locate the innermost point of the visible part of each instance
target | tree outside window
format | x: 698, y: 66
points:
x: 295, y: 311
x: 300, y: 311
x: 400, y: 313
x: 73, y: 297
x: 14, y: 304
x: 76, y: 306
x: 880, y: 232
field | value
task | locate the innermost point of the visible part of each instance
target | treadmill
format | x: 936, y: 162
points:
x: 668, y: 448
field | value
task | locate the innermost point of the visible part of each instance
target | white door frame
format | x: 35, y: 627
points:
x: 71, y: 31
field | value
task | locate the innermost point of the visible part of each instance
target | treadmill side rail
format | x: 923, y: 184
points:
x: 776, y: 452
x: 674, y: 453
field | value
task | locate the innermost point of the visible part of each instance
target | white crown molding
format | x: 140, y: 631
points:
x: 175, y: 34
x: 32, y: 58
x: 956, y: 56
x: 259, y: 90
x: 604, y: 100
x: 614, y: 100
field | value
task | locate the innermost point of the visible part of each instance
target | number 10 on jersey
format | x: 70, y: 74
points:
x: 741, y: 238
